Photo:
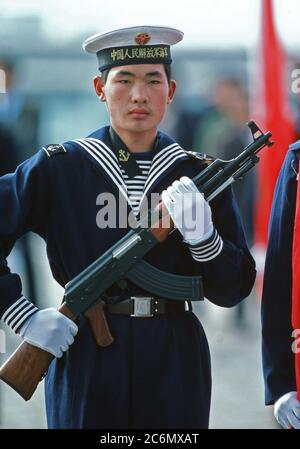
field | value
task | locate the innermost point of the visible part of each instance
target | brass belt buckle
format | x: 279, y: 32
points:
x: 142, y: 306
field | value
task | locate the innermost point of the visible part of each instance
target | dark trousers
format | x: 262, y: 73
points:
x: 156, y: 374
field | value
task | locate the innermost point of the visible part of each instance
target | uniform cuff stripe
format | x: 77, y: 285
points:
x: 206, y: 248
x: 203, y: 253
x: 209, y: 256
x: 18, y: 313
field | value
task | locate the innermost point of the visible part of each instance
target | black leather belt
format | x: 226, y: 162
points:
x: 146, y: 306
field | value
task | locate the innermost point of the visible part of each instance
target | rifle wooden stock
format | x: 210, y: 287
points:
x: 25, y: 369
x: 27, y: 366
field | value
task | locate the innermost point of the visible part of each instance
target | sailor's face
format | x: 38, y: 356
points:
x: 137, y: 96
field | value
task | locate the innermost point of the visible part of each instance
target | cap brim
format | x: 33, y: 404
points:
x: 126, y: 36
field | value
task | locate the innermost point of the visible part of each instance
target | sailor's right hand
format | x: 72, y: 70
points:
x: 287, y: 411
x: 50, y: 330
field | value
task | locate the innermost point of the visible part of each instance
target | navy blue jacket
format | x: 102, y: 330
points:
x: 278, y: 358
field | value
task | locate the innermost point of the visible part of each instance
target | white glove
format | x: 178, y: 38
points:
x: 189, y: 210
x: 287, y: 411
x: 50, y: 330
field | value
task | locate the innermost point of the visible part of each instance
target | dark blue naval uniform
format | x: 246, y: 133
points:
x: 157, y: 372
x: 278, y: 358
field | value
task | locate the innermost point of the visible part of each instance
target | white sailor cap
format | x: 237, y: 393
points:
x: 134, y: 45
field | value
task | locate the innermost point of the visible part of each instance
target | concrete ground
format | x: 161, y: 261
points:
x: 238, y: 391
x: 234, y: 338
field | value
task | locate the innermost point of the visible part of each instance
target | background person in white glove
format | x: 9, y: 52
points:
x: 287, y: 411
x: 50, y: 330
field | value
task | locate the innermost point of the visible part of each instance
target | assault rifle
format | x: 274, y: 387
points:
x: 84, y: 294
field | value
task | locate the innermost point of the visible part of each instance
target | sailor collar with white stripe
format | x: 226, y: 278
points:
x: 97, y: 147
x: 125, y: 157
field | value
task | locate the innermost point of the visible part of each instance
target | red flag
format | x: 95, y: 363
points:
x: 272, y: 113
